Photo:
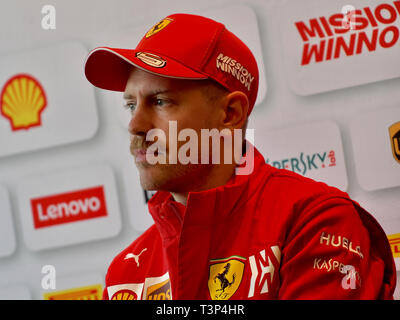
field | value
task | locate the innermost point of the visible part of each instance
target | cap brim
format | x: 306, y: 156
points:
x: 109, y: 68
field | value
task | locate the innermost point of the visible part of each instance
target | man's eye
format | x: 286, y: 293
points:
x: 130, y: 105
x: 159, y: 102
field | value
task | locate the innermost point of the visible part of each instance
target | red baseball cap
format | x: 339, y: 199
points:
x: 182, y: 46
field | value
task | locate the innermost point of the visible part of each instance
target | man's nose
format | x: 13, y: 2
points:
x: 140, y: 122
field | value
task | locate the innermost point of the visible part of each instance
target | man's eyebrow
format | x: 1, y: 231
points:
x: 156, y: 92
x: 128, y: 96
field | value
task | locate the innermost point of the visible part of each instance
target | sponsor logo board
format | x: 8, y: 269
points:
x: 313, y: 150
x: 36, y: 111
x: 326, y: 43
x: 69, y: 207
x: 374, y: 137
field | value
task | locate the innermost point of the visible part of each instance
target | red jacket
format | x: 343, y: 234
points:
x: 272, y: 234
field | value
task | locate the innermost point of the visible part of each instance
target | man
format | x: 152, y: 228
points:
x: 222, y: 233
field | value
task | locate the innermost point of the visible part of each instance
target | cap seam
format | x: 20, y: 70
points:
x: 211, y: 47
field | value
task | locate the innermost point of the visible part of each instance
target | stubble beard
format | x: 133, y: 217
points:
x: 169, y: 177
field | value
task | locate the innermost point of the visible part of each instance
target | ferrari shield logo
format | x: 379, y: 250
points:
x: 394, y: 132
x: 158, y: 27
x: 225, y: 277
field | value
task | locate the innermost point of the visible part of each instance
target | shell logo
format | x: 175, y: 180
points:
x: 22, y: 101
x: 124, y: 294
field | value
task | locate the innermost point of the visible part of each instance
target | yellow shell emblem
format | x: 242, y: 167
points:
x: 124, y: 295
x: 158, y: 27
x: 22, y: 100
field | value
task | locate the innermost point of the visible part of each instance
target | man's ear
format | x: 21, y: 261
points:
x: 236, y: 108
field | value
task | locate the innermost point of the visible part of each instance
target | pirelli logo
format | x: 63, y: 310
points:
x: 394, y: 241
x: 93, y: 292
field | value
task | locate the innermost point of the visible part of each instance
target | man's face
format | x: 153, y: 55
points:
x: 154, y: 101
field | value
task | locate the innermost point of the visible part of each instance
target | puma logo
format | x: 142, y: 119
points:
x: 134, y: 256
